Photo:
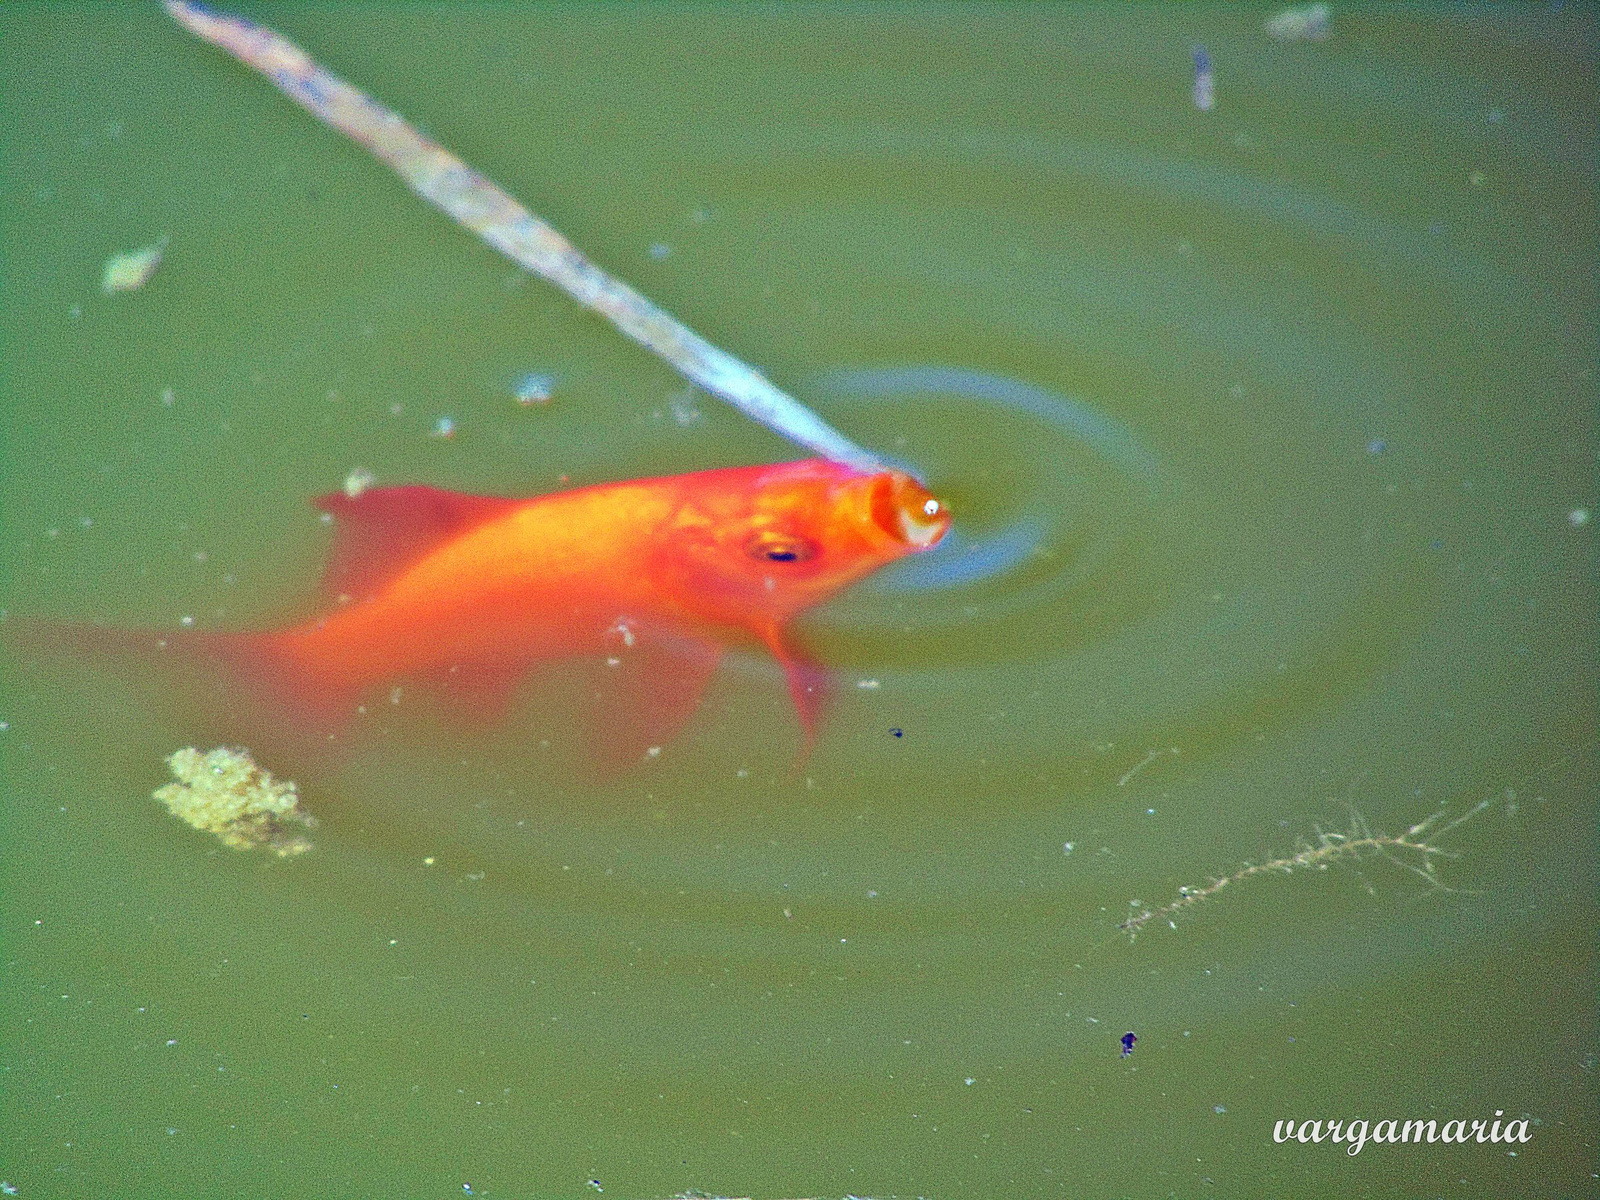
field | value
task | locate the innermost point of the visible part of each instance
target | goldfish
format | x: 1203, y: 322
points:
x: 655, y: 577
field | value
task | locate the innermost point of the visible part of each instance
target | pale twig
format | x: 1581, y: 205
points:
x: 479, y: 205
x: 1358, y: 842
x: 1143, y: 763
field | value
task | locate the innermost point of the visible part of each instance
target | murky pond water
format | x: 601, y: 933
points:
x: 1271, y: 432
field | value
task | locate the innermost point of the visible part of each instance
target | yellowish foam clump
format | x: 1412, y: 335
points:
x: 225, y: 792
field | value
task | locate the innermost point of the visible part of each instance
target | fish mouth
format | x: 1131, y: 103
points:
x: 907, y: 511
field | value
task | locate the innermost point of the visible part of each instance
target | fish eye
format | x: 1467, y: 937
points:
x: 772, y: 546
x: 931, y: 508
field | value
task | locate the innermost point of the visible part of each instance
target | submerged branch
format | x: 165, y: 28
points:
x: 481, y: 206
x: 1409, y: 850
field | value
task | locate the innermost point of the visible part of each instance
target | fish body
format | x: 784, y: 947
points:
x: 653, y: 575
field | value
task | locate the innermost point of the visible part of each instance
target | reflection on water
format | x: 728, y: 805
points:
x: 1261, y: 426
x: 965, y: 558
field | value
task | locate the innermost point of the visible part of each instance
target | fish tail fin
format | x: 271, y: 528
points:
x: 244, y: 682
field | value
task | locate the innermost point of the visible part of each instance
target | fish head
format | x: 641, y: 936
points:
x: 761, y: 544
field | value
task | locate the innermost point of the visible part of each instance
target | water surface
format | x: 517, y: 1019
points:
x: 1269, y: 430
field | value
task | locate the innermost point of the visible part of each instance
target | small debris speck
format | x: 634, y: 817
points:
x: 1377, y: 446
x: 1308, y: 24
x: 1578, y: 517
x: 357, y: 481
x: 131, y: 271
x: 534, y: 388
x: 1205, y: 97
x: 444, y: 427
x: 899, y: 733
x: 659, y: 250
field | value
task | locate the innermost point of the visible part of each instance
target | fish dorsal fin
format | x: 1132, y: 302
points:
x: 383, y: 531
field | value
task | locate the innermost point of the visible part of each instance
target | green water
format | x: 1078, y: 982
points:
x: 1265, y: 427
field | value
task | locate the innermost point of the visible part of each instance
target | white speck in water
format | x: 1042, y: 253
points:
x: 654, y: 751
x: 868, y: 685
x: 1578, y: 517
x: 970, y: 1081
x: 1218, y: 1109
x: 357, y: 481
x: 444, y: 427
x: 168, y: 397
x: 186, y: 621
x: 659, y: 250
x: 534, y: 388
x: 1068, y: 847
x: 684, y: 410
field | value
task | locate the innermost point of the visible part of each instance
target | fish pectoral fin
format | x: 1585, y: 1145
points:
x: 638, y: 698
x: 382, y: 531
x: 808, y: 683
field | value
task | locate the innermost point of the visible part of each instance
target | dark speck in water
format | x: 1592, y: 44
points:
x: 898, y: 732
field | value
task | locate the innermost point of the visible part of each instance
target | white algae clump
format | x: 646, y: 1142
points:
x: 131, y: 271
x: 224, y: 792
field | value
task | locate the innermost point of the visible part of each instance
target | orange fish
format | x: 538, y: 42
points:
x: 653, y: 576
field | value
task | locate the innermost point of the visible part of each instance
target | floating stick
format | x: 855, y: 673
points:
x: 478, y: 204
